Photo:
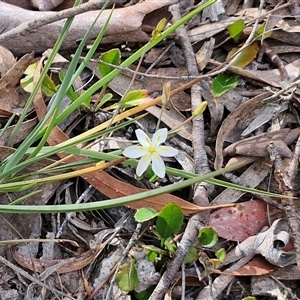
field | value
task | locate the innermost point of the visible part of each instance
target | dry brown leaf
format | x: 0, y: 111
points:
x: 287, y: 273
x: 8, y: 95
x: 257, y: 145
x: 204, y: 54
x: 11, y: 72
x: 181, y: 101
x: 256, y: 267
x: 232, y: 7
x: 13, y: 75
x: 7, y: 60
x: 6, y: 113
x: 274, y: 17
x: 265, y: 115
x: 172, y: 118
x: 206, y: 31
x: 271, y: 77
x: 23, y: 132
x: 60, y: 265
x: 253, y: 176
x: 245, y: 160
x: 242, y: 116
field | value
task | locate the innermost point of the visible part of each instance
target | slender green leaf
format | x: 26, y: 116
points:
x: 100, y: 204
x: 105, y: 98
x: 32, y: 136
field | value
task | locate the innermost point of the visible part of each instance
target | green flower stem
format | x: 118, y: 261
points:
x: 114, y: 202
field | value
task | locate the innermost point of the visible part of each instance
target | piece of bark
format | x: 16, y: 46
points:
x: 123, y: 23
x: 257, y: 145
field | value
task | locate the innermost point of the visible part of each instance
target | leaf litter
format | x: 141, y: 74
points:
x: 238, y: 125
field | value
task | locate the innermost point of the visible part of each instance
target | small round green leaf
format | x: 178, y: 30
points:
x: 171, y: 247
x: 191, y: 255
x: 221, y: 254
x: 127, y: 277
x: 261, y: 33
x: 113, y: 57
x: 145, y: 214
x: 235, y: 30
x: 104, y: 99
x: 169, y: 220
x: 143, y: 294
x: 208, y: 237
x: 134, y: 98
x: 223, y: 83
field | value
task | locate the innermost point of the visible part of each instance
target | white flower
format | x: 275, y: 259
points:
x: 151, y: 151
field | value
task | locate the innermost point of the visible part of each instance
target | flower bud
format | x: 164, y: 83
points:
x: 199, y: 109
x: 159, y: 28
x: 166, y: 93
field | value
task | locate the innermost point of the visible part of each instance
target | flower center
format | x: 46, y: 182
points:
x: 152, y: 149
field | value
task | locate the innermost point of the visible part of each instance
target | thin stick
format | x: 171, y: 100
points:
x: 31, y: 25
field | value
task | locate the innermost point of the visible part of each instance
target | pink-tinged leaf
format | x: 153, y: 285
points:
x: 256, y: 267
x: 244, y: 220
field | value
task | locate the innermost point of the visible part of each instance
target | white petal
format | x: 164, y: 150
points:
x: 143, y: 165
x: 158, y: 166
x: 134, y: 151
x: 160, y: 136
x: 143, y: 138
x: 166, y: 151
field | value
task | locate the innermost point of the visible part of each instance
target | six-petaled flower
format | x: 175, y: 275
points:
x: 150, y: 151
